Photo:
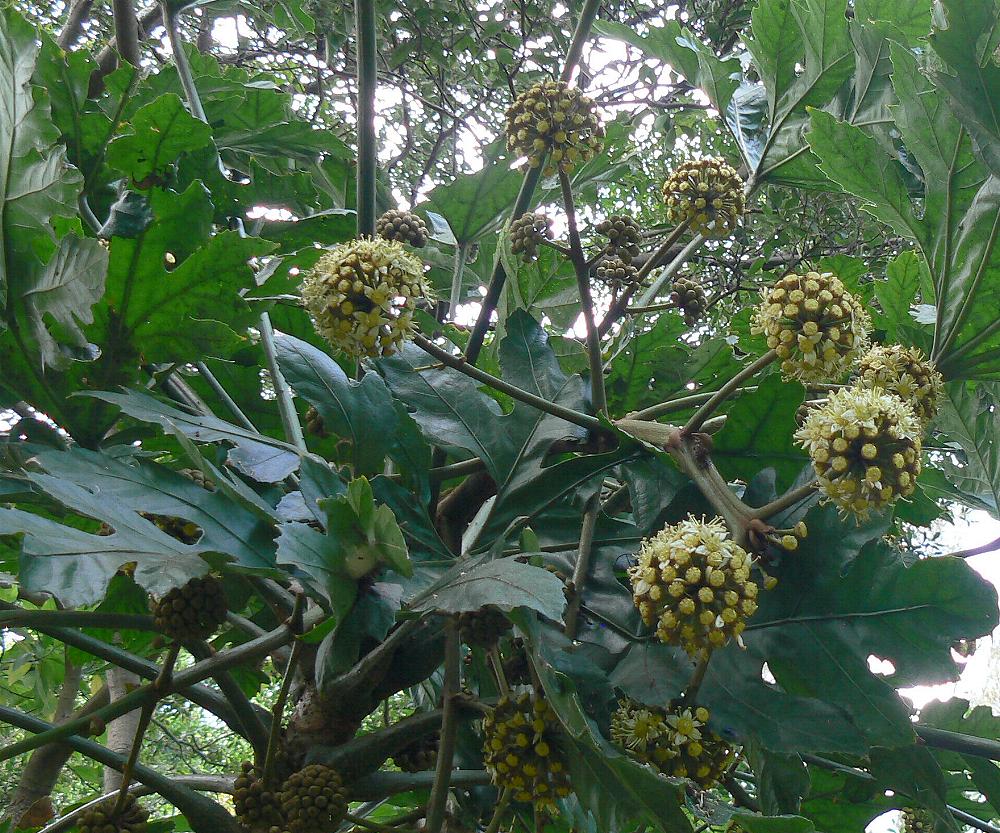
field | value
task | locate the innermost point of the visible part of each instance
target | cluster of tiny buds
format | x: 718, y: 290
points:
x: 615, y: 272
x: 527, y: 233
x: 707, y: 194
x: 676, y: 740
x: 555, y: 122
x: 624, y: 236
x: 402, y: 226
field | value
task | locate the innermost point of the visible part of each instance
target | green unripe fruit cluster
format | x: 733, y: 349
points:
x: 191, y: 612
x: 362, y: 295
x: 521, y: 750
x: 706, y: 193
x: 688, y: 296
x: 817, y: 328
x: 624, y: 236
x: 865, y: 448
x: 527, y: 233
x: 692, y: 583
x: 674, y: 741
x: 131, y: 818
x: 402, y: 227
x: 313, y: 799
x: 556, y: 123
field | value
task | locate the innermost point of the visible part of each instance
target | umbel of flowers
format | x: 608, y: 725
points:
x: 905, y: 372
x: 675, y: 741
x: 816, y: 327
x: 362, y: 295
x: 692, y: 582
x: 865, y: 447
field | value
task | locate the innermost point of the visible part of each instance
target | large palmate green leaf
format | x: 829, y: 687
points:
x: 449, y: 407
x: 503, y: 583
x: 361, y: 412
x: 898, y: 292
x: 966, y: 38
x: 258, y: 456
x: 804, y: 53
x: 173, y: 291
x: 475, y: 204
x: 43, y: 280
x: 76, y: 566
x: 854, y: 160
x: 161, y: 131
x: 686, y: 54
x: 226, y: 525
x: 758, y: 433
x: 970, y: 421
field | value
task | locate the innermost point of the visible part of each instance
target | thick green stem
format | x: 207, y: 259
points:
x: 282, y: 392
x: 128, y: 771
x: 670, y: 270
x: 788, y: 499
x: 449, y: 730
x: 198, y: 694
x: 723, y: 393
x: 580, y: 35
x: 464, y: 366
x: 278, y: 712
x: 586, y: 302
x: 224, y: 396
x: 457, y: 273
x: 364, y: 13
x: 222, y: 661
x: 499, y: 276
x: 582, y: 567
x: 203, y: 814
x: 75, y: 619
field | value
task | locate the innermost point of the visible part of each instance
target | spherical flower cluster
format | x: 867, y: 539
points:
x: 484, y: 627
x: 527, y: 233
x: 624, y: 236
x: 131, y: 818
x: 865, y: 447
x: 191, y: 612
x: 688, y: 296
x: 676, y: 742
x: 707, y: 193
x: 615, y: 272
x: 817, y: 328
x: 521, y: 750
x: 312, y: 799
x: 905, y: 372
x: 917, y: 820
x: 693, y: 583
x: 554, y: 118
x: 362, y: 295
x: 403, y: 227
